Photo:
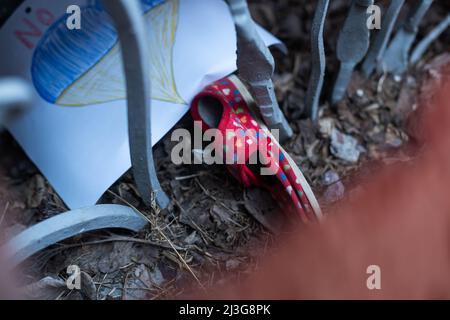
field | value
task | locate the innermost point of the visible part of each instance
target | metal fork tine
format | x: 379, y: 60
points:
x: 69, y: 224
x: 135, y: 52
x: 256, y: 66
x: 431, y: 36
x: 395, y: 59
x: 318, y: 60
x: 352, y: 46
x: 379, y: 44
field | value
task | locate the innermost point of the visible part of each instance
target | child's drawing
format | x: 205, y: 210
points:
x: 84, y: 67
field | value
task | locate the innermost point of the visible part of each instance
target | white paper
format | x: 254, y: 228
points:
x: 79, y: 139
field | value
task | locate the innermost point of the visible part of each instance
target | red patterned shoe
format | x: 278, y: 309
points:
x: 252, y: 154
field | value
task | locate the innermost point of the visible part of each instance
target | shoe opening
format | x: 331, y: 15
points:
x: 210, y: 110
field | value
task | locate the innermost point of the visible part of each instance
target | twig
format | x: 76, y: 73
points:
x: 190, y: 176
x: 165, y: 237
x: 4, y: 212
x: 220, y: 203
x: 205, y: 191
x: 113, y: 239
x: 381, y: 83
x: 100, y: 285
x: 194, y: 225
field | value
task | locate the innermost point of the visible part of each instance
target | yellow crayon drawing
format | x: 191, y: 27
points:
x: 105, y: 80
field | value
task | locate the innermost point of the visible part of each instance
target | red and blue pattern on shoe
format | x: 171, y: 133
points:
x: 222, y: 106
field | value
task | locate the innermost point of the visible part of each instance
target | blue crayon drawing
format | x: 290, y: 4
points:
x: 84, y: 67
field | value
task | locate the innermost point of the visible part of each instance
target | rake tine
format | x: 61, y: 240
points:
x: 135, y: 52
x: 352, y: 46
x: 69, y: 224
x: 395, y: 59
x: 256, y: 66
x: 432, y: 36
x: 379, y: 44
x: 318, y: 60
